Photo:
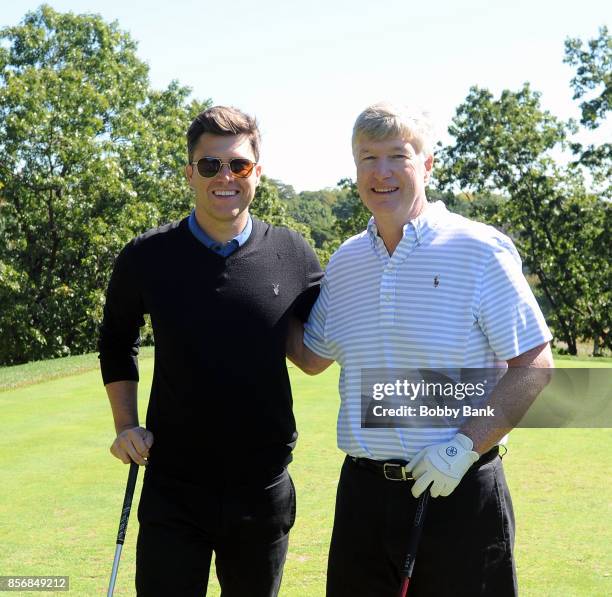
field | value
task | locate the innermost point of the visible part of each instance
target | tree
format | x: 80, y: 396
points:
x: 268, y: 206
x: 351, y: 215
x: 308, y: 212
x: 562, y: 233
x: 593, y: 80
x: 285, y: 191
x: 312, y: 208
x: 593, y: 73
x: 89, y: 157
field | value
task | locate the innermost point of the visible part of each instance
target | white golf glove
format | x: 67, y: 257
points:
x: 443, y: 465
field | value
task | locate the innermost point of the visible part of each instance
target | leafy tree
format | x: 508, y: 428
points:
x: 593, y: 84
x: 285, y: 191
x: 89, y: 157
x: 593, y: 73
x: 351, y: 214
x: 268, y: 206
x: 313, y: 209
x: 504, y: 145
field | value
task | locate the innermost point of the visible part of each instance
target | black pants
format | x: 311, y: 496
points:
x: 466, y: 549
x: 246, y: 525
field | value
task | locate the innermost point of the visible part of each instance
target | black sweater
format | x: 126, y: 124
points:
x: 220, y: 388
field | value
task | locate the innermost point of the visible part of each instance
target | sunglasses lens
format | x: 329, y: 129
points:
x: 241, y: 167
x: 208, y: 167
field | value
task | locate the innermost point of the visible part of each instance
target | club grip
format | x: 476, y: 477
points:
x: 415, y: 533
x: 127, y: 502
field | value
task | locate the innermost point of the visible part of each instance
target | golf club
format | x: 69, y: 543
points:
x: 413, y: 541
x: 123, y: 522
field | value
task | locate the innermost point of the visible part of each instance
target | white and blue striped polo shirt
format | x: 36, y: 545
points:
x: 452, y: 295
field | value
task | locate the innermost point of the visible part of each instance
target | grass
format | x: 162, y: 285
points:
x: 564, y: 360
x: 62, y: 490
x: 37, y: 371
x: 584, y: 349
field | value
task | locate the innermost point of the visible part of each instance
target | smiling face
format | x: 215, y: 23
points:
x: 391, y: 179
x: 222, y: 201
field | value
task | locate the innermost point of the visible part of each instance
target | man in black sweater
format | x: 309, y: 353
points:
x: 220, y: 287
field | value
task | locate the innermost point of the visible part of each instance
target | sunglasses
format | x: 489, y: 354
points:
x: 209, y: 167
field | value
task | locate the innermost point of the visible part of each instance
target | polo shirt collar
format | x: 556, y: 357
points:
x: 416, y: 230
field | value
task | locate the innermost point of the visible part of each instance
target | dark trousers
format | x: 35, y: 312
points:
x: 466, y: 549
x: 246, y: 525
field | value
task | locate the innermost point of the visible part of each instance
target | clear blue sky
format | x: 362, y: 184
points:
x: 306, y: 69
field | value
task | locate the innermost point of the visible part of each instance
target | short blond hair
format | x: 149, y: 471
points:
x: 383, y: 120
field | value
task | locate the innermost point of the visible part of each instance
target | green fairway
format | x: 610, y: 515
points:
x: 62, y: 491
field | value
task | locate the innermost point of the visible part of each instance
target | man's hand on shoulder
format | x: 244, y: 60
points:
x: 443, y: 465
x: 132, y: 445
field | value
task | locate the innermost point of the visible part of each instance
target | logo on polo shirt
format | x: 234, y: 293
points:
x: 436, y: 281
x: 276, y: 288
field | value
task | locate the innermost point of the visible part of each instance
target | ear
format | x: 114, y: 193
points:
x: 429, y: 161
x: 257, y: 172
x: 189, y: 173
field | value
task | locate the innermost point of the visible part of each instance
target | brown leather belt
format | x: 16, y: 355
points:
x: 395, y: 470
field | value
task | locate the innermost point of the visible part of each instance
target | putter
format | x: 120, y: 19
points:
x: 123, y: 522
x: 413, y: 541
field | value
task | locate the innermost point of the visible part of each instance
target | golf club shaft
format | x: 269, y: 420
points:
x: 111, y: 584
x: 413, y: 541
x: 123, y: 522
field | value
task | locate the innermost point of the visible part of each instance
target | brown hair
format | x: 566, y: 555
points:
x: 226, y: 121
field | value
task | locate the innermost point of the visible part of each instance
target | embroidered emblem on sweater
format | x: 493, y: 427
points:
x: 276, y: 288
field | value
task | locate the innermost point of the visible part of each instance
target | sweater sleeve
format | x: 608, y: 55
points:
x: 119, y: 339
x: 312, y: 281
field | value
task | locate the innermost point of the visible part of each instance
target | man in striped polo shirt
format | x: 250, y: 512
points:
x: 421, y: 288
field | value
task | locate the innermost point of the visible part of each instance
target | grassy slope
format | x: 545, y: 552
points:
x: 38, y: 371
x: 65, y: 492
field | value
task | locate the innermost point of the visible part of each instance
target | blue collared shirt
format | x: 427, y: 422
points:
x: 223, y: 249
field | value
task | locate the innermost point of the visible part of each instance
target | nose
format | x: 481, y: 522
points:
x: 382, y: 169
x: 225, y: 172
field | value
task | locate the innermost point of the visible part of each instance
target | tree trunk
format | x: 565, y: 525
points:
x: 596, y: 347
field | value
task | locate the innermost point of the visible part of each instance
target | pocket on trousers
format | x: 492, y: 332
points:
x: 263, y: 512
x: 162, y: 497
x: 151, y: 506
x: 293, y: 501
x: 276, y: 506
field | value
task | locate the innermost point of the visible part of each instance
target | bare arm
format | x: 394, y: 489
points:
x: 528, y: 374
x: 132, y: 442
x: 299, y: 354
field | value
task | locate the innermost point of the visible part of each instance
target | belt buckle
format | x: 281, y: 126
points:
x: 395, y: 465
